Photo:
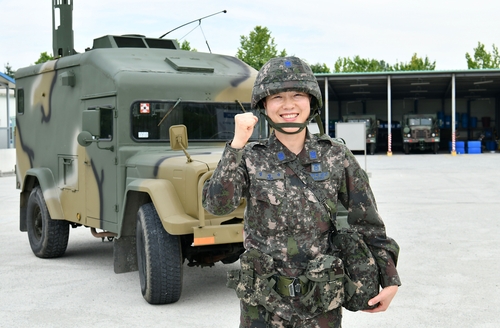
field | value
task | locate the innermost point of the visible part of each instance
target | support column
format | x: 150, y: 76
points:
x: 389, y: 115
x: 9, y: 129
x: 453, y: 109
x: 327, y: 110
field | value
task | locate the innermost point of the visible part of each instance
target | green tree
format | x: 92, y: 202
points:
x: 257, y: 48
x: 482, y: 58
x: 44, y: 57
x: 185, y: 45
x: 320, y: 68
x: 358, y: 64
x: 9, y: 71
x: 416, y: 64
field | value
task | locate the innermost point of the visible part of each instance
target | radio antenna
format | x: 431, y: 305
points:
x: 196, y: 20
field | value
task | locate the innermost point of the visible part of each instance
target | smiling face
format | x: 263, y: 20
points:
x: 288, y: 107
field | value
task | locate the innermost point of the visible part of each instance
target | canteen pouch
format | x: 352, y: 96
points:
x: 326, y: 283
x: 254, y: 282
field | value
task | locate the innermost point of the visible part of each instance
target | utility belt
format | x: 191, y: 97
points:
x: 320, y: 288
x: 287, y: 286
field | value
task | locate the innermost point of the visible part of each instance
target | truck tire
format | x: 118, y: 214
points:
x: 48, y: 238
x: 406, y: 148
x: 373, y: 146
x: 435, y: 148
x: 159, y: 257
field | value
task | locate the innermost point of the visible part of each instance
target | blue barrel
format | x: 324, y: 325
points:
x: 473, y: 122
x: 491, y: 145
x: 465, y: 120
x: 447, y: 121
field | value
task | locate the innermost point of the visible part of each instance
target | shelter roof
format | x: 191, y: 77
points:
x: 470, y: 84
x: 7, y: 81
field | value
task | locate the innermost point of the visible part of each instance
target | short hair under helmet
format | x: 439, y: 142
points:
x: 285, y: 74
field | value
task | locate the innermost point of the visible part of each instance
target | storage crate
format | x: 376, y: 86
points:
x: 474, y: 150
x: 473, y: 144
x: 459, y: 147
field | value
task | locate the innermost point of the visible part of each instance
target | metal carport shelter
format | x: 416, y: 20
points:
x: 446, y: 86
x: 8, y: 83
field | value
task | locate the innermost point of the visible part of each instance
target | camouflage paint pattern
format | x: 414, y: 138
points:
x: 257, y: 316
x: 94, y: 185
x: 359, y: 264
x: 284, y: 219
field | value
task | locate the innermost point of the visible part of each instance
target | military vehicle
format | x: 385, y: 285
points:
x: 101, y: 143
x: 420, y: 132
x: 371, y: 129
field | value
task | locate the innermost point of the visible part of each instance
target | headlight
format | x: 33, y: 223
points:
x: 369, y: 135
x: 408, y: 135
x: 433, y: 135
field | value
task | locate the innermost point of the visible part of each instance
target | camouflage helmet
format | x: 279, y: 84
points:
x: 285, y: 74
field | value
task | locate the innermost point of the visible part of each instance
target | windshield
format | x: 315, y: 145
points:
x: 366, y: 121
x: 204, y: 121
x: 420, y: 121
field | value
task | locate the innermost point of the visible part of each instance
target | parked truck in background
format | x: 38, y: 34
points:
x: 371, y: 129
x: 420, y: 132
x: 101, y: 143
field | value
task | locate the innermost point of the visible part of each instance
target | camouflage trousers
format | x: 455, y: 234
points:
x: 259, y: 317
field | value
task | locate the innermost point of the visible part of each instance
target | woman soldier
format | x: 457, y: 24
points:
x: 286, y: 228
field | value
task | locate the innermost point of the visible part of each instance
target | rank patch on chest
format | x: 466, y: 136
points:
x: 262, y: 175
x: 315, y: 167
x: 313, y: 154
x: 320, y: 176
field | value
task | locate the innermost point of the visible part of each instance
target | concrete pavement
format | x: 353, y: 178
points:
x: 443, y: 210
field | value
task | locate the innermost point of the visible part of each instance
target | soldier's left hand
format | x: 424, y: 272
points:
x: 384, y: 299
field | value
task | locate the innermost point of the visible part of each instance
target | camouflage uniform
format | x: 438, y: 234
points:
x: 284, y: 219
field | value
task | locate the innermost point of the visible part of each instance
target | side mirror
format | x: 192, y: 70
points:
x: 178, y: 137
x: 97, y: 124
x: 91, y: 121
x: 85, y: 138
x: 179, y: 140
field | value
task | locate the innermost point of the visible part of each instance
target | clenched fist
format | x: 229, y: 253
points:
x: 243, y: 129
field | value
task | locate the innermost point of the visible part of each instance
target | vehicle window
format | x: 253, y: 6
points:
x: 106, y: 124
x: 151, y: 120
x: 20, y: 101
x: 426, y: 121
x: 414, y: 121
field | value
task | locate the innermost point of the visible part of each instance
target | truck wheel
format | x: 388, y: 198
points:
x: 48, y: 238
x: 435, y: 148
x: 159, y: 257
x: 372, y: 148
x: 406, y: 148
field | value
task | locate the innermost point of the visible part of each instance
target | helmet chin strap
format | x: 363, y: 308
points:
x: 280, y: 126
x: 301, y: 126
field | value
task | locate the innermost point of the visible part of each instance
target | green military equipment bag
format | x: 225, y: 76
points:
x: 362, y: 280
x: 326, y: 288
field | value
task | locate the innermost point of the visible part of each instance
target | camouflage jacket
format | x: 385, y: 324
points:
x: 283, y: 217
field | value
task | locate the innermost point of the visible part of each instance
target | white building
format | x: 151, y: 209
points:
x: 7, y: 111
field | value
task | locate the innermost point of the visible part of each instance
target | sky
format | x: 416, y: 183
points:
x: 318, y: 31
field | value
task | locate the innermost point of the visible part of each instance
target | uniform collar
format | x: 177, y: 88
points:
x: 309, y: 154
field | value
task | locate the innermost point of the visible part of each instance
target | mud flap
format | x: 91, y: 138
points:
x: 125, y: 254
